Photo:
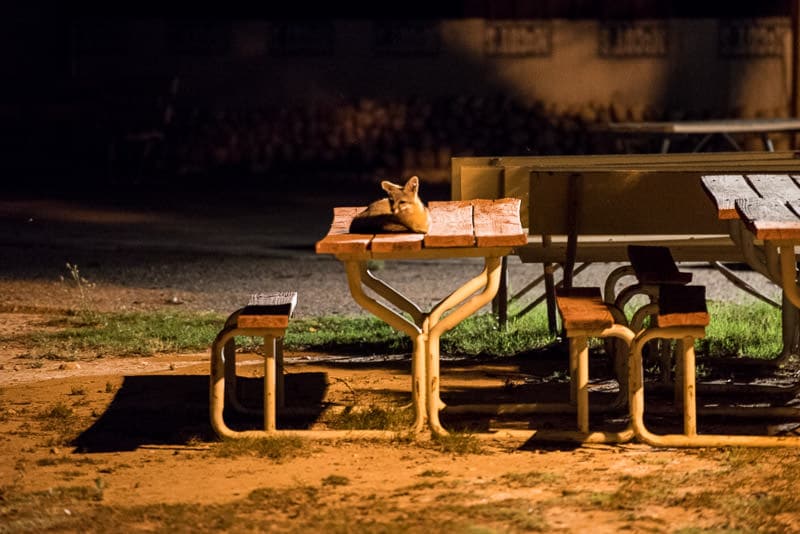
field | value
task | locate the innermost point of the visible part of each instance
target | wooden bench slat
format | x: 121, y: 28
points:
x: 497, y: 222
x: 725, y: 189
x: 451, y: 225
x: 768, y: 220
x: 682, y: 306
x: 582, y: 308
x: 262, y: 321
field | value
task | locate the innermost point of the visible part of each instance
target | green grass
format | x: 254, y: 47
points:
x: 477, y: 335
x: 752, y: 330
x: 124, y: 333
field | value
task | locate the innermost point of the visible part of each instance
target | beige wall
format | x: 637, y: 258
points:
x: 692, y: 77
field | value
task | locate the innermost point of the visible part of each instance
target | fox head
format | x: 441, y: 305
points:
x: 402, y: 197
x: 405, y: 204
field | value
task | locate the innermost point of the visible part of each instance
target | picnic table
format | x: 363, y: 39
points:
x: 488, y: 229
x: 724, y: 128
x: 763, y: 211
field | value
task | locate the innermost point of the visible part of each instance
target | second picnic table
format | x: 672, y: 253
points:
x: 764, y: 215
x: 488, y: 229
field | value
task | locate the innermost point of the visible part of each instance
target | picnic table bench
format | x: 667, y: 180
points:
x: 488, y: 229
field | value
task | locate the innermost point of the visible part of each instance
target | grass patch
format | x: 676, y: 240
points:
x: 373, y: 418
x: 139, y: 333
x: 128, y: 333
x: 361, y: 334
x: 276, y: 448
x: 477, y: 335
x: 335, y: 480
x: 458, y: 443
x: 725, y: 335
x: 529, y: 479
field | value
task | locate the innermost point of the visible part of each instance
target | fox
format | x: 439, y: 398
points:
x: 402, y: 211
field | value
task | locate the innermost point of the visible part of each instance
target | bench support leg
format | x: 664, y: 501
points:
x: 690, y: 437
x: 269, y: 384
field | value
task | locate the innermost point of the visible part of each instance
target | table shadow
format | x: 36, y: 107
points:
x: 174, y: 410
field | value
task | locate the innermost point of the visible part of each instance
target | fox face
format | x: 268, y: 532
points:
x: 400, y: 212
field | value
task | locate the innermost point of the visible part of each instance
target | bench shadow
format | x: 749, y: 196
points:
x: 174, y: 410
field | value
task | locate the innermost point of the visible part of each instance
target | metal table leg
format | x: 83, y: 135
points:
x: 426, y: 329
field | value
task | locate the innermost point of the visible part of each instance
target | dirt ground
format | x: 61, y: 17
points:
x: 125, y: 443
x: 97, y: 444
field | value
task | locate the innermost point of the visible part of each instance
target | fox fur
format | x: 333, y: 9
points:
x: 401, y: 211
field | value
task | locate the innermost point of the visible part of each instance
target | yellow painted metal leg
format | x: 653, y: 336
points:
x: 690, y: 438
x: 217, y: 398
x: 579, y: 353
x: 391, y: 294
x: 280, y: 395
x: 269, y: 384
x: 356, y: 272
x: 489, y: 280
x: 689, y: 390
x: 789, y: 274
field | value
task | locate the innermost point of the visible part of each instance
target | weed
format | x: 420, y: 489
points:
x: 78, y: 390
x: 433, y: 473
x: 335, y: 480
x: 458, y: 443
x: 277, y: 448
x: 285, y: 499
x: 58, y: 412
x: 373, y: 418
x: 530, y: 479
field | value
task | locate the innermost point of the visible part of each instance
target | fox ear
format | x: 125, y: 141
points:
x: 412, y: 185
x: 389, y: 186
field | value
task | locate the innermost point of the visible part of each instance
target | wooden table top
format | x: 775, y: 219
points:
x: 474, y: 227
x: 704, y: 126
x: 768, y: 204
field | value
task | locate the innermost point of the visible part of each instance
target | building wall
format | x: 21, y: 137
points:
x: 681, y: 67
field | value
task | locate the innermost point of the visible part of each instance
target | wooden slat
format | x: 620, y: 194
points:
x: 342, y: 217
x: 396, y: 242
x: 769, y: 219
x: 344, y: 244
x: 338, y: 240
x: 775, y: 186
x: 582, y: 308
x: 497, y: 223
x: 724, y: 189
x: 451, y: 225
x: 682, y: 306
x: 262, y: 321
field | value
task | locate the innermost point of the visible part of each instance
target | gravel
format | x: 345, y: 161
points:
x: 210, y: 253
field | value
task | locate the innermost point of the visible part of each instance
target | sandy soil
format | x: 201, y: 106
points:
x: 125, y: 443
